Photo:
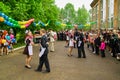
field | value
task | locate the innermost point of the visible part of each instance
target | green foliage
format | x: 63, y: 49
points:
x: 23, y: 10
x: 69, y: 16
x: 83, y: 16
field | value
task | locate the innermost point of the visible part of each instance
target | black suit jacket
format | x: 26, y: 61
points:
x: 44, y: 44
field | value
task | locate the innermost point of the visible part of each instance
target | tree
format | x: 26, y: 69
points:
x: 82, y: 16
x: 68, y: 13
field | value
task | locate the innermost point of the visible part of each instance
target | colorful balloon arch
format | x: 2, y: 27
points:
x: 13, y: 23
x: 41, y: 23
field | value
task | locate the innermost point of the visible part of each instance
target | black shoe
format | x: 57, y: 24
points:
x: 79, y: 57
x: 38, y: 70
x: 47, y: 71
x: 84, y: 57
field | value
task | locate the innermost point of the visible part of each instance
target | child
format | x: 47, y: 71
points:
x: 102, y: 48
x: 71, y: 45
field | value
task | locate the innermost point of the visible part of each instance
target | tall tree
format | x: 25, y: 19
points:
x: 82, y: 16
x: 68, y: 13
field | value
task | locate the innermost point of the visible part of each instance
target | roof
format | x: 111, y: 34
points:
x: 93, y: 3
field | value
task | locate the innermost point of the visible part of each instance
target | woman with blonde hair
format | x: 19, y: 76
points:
x: 71, y: 43
x: 28, y: 49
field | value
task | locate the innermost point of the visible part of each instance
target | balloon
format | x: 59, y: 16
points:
x: 16, y: 22
x: 1, y: 19
x: 13, y: 40
x: 8, y: 23
x: 24, y: 22
x: 27, y: 25
x: 3, y: 41
x: 17, y: 25
x: 2, y: 14
x: 10, y: 19
x: 5, y: 32
x: 11, y: 36
x: 9, y: 47
x: 23, y: 26
x: 6, y: 17
x: 8, y: 37
x: 31, y: 20
x: 5, y: 21
x: 11, y: 24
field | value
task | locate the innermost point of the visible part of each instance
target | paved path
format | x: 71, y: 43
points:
x: 62, y: 67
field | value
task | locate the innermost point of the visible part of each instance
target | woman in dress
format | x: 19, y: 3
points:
x: 71, y: 43
x: 29, y: 49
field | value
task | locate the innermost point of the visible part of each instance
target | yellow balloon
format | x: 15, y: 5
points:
x: 22, y: 23
x: 1, y: 19
x: 3, y: 41
x: 23, y: 26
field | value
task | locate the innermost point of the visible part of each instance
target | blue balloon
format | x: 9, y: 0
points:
x: 8, y: 23
x: 2, y: 14
x: 11, y: 24
x: 5, y: 21
x: 13, y: 40
x: 9, y: 47
x: 6, y: 17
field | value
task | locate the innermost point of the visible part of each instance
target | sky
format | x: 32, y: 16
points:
x: 76, y: 3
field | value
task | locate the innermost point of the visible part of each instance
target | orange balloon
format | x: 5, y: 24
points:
x: 5, y: 32
x: 1, y: 19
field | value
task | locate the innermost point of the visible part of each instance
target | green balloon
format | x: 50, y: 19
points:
x: 13, y: 21
x: 16, y: 22
x: 10, y: 19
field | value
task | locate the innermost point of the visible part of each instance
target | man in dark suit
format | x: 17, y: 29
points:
x: 80, y: 45
x: 76, y: 35
x: 97, y: 42
x: 44, y: 52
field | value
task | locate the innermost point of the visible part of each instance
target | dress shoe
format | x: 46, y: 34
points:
x: 47, y: 71
x: 38, y: 70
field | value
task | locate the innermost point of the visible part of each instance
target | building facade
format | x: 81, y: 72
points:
x: 106, y: 13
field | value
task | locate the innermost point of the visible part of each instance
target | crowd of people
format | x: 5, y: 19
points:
x: 99, y: 42
x: 6, y: 42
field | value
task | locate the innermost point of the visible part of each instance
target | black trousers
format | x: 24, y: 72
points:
x: 43, y: 60
x: 92, y: 46
x: 81, y: 50
x: 102, y: 53
x: 114, y: 51
x: 97, y: 49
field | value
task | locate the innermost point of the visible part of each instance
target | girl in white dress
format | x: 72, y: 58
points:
x: 71, y: 45
x: 29, y: 43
